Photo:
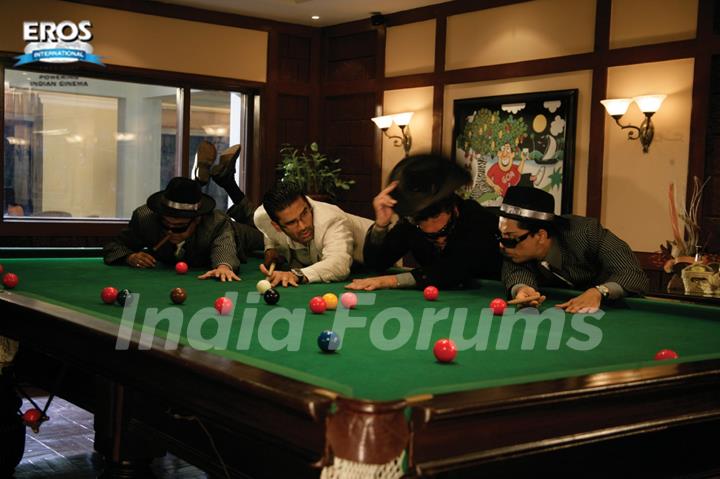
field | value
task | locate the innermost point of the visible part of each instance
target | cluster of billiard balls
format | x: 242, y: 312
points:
x: 111, y: 295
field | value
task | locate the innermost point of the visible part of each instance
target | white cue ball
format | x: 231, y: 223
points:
x: 263, y: 285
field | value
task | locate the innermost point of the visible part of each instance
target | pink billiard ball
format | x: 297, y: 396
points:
x: 109, y: 295
x: 318, y: 305
x: 349, y: 300
x: 498, y: 306
x: 445, y: 350
x: 666, y: 354
x: 431, y: 293
x: 181, y: 267
x: 10, y: 280
x: 223, y: 305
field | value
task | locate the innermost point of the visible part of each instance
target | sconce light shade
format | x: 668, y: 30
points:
x: 617, y: 106
x: 649, y: 103
x: 383, y: 122
x: 403, y: 119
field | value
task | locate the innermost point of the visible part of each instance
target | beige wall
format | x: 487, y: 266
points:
x: 526, y: 31
x: 642, y: 22
x: 635, y: 184
x: 410, y: 49
x: 148, y: 41
x: 81, y: 166
x: 420, y: 101
x: 581, y: 80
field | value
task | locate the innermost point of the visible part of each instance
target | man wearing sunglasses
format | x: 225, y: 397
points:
x: 452, y: 240
x: 544, y: 249
x: 180, y: 223
x: 308, y: 241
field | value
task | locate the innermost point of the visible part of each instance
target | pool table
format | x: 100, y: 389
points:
x: 251, y: 395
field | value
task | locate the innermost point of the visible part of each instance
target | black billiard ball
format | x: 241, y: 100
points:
x: 328, y: 341
x: 178, y: 295
x: 271, y: 296
x: 123, y: 297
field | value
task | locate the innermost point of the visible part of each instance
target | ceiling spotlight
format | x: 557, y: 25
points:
x: 315, y: 17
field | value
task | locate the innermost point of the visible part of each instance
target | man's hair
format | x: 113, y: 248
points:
x: 280, y: 196
x: 445, y: 205
x: 533, y: 226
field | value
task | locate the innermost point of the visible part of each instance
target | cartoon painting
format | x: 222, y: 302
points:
x: 525, y: 139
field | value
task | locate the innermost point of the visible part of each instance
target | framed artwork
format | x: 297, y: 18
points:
x: 526, y: 139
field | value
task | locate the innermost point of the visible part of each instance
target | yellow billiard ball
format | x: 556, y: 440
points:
x: 331, y: 300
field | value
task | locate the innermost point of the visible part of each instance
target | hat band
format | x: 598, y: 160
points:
x: 525, y: 213
x: 181, y: 206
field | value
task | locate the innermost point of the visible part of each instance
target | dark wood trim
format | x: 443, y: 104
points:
x: 596, y: 150
x: 438, y: 87
x: 315, y: 97
x: 444, y: 9
x: 185, y: 98
x: 193, y: 14
x: 652, y: 53
x: 544, y: 66
x: 350, y: 87
x: 700, y: 97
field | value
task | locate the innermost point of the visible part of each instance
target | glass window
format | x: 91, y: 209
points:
x: 220, y: 118
x: 84, y: 147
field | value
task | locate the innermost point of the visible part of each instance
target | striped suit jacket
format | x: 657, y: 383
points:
x: 212, y: 243
x: 591, y: 255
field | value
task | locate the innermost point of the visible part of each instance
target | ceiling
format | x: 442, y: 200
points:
x: 331, y: 12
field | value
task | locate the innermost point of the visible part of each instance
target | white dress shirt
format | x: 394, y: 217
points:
x: 338, y: 240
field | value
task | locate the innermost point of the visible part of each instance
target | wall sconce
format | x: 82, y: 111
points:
x: 648, y: 104
x: 402, y: 120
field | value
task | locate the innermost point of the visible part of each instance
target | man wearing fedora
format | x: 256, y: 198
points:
x: 181, y: 224
x: 308, y: 241
x: 453, y: 240
x: 545, y: 249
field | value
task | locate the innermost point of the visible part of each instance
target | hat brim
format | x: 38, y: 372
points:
x: 409, y: 203
x: 155, y: 203
x: 557, y: 219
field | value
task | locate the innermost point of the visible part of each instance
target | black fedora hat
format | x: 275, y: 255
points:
x: 528, y: 203
x: 182, y: 198
x: 424, y: 180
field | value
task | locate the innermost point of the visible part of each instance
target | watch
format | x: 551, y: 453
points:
x: 298, y: 272
x: 604, y: 290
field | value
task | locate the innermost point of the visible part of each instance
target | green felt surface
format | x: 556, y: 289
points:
x: 366, y: 367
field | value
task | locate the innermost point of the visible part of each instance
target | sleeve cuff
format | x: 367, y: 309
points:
x: 377, y: 234
x: 406, y: 280
x: 615, y: 290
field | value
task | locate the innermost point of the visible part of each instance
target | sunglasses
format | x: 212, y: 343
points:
x: 512, y: 242
x: 441, y: 233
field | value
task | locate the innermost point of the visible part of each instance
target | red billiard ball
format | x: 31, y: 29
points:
x: 318, y: 305
x: 431, y: 293
x: 32, y: 416
x: 223, y: 305
x: 498, y: 306
x: 666, y: 354
x: 445, y: 350
x: 10, y: 280
x: 181, y: 267
x: 109, y: 295
x: 178, y: 295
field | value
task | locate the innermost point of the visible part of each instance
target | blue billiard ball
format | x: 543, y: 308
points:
x: 328, y: 341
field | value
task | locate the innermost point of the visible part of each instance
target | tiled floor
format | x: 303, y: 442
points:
x: 63, y: 449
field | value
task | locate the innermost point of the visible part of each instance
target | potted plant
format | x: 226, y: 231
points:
x: 314, y: 172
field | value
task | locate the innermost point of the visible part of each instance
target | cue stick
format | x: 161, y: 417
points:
x: 272, y: 268
x: 534, y: 297
x: 161, y: 242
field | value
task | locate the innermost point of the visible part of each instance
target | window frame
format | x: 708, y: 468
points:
x: 184, y: 82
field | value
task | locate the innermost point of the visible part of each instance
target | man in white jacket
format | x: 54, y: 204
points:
x: 308, y: 241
